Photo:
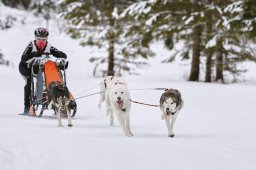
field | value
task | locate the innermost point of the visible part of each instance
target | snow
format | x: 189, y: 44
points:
x: 215, y: 130
x: 248, y: 26
x: 138, y: 8
x: 151, y: 20
x: 115, y: 14
x: 212, y: 42
x: 235, y: 7
x: 189, y: 20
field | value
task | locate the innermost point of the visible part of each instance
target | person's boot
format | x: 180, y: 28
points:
x: 26, y: 111
x: 31, y: 111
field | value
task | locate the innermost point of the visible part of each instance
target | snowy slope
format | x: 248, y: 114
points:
x: 215, y: 130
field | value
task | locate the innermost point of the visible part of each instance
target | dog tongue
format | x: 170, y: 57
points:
x: 120, y: 103
x: 168, y: 113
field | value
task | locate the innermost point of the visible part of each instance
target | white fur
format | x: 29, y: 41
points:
x: 59, y: 117
x: 58, y: 106
x: 170, y: 119
x: 103, y: 87
x: 116, y: 98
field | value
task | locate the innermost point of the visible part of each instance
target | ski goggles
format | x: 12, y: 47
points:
x: 41, y: 38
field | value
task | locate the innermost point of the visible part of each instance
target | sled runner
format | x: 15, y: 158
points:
x: 44, y: 70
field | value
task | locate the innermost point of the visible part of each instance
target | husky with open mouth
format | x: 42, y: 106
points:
x: 170, y: 104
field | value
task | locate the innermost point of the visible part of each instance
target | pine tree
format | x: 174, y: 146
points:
x: 98, y: 23
x: 22, y: 4
x: 173, y: 22
x: 3, y: 61
x: 230, y: 36
x: 209, y: 52
x: 222, y: 35
x: 1, y: 58
x: 195, y: 67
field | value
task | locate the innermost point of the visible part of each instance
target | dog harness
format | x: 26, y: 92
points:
x: 118, y: 82
x: 106, y: 83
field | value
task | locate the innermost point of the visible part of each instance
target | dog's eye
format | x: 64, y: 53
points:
x: 172, y: 102
x: 122, y: 92
x: 115, y: 92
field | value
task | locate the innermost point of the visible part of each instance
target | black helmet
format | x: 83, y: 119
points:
x: 41, y: 32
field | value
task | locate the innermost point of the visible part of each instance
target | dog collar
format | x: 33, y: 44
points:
x: 172, y: 113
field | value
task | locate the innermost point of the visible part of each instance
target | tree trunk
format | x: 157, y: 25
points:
x: 111, y: 58
x: 208, y: 74
x: 111, y: 49
x: 219, y: 62
x: 194, y: 73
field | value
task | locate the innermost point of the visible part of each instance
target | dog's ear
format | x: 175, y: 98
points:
x: 56, y: 83
x: 61, y: 86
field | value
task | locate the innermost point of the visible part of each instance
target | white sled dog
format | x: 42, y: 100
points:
x: 170, y: 104
x: 117, y: 101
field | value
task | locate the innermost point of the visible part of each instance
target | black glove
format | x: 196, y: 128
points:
x: 35, y: 54
x: 59, y: 54
x: 63, y: 55
x: 63, y: 65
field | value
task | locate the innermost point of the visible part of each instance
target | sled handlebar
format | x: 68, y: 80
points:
x: 46, y: 53
x: 48, y: 57
x: 41, y: 60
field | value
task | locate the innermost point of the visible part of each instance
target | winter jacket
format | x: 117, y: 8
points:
x: 28, y: 53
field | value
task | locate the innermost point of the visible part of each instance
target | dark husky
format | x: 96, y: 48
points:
x: 170, y: 104
x: 58, y: 99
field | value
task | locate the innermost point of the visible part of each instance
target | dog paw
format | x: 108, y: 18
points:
x: 171, y: 135
x: 99, y: 106
x: 131, y: 135
x: 70, y: 125
x: 162, y: 117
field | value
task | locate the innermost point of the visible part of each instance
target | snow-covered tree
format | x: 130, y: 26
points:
x: 98, y: 23
x: 212, y: 31
x: 22, y: 4
x: 172, y: 22
x: 230, y: 38
x: 4, y: 61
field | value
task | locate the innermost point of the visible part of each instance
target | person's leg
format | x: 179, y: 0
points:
x: 25, y: 72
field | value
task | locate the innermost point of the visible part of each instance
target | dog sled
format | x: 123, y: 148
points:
x: 45, y: 70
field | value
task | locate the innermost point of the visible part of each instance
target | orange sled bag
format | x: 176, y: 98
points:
x: 52, y: 74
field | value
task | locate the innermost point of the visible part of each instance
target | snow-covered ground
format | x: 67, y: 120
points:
x: 215, y: 130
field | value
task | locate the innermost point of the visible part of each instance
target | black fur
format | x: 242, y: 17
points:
x: 56, y: 91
